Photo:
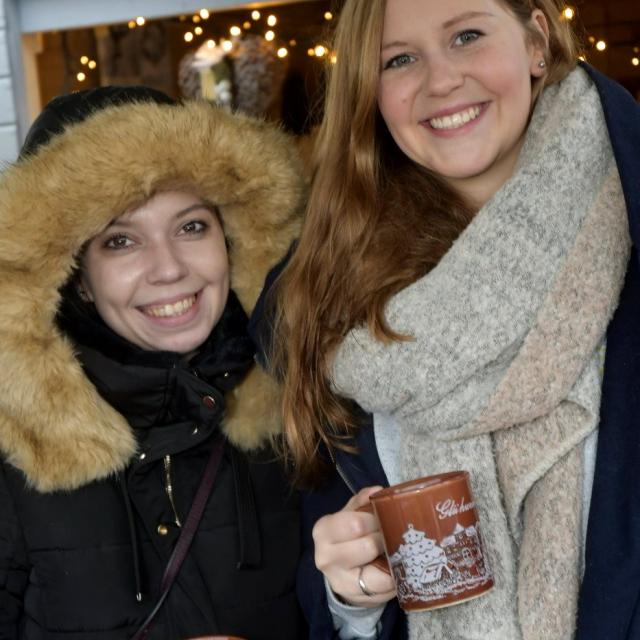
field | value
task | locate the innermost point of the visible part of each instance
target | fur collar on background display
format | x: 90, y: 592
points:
x: 54, y: 426
x: 503, y: 374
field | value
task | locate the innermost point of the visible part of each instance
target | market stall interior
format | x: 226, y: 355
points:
x: 270, y: 61
x: 264, y: 62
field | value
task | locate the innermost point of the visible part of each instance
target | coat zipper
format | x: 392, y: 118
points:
x: 342, y: 474
x: 168, y: 487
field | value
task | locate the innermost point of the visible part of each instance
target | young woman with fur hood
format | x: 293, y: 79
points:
x: 135, y: 234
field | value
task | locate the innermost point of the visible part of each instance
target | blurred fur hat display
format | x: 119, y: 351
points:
x: 253, y: 68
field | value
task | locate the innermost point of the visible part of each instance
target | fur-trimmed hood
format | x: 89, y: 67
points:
x: 54, y: 426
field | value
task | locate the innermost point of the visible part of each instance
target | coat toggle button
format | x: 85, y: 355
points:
x: 209, y: 401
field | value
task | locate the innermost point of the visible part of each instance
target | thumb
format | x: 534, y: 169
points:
x: 361, y: 499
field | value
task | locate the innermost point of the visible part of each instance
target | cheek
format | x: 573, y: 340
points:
x: 110, y: 286
x: 392, y: 101
x: 508, y: 75
x: 212, y: 262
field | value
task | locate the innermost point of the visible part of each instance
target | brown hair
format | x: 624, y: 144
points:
x: 367, y: 234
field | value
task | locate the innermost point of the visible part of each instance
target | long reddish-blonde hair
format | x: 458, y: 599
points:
x: 375, y: 223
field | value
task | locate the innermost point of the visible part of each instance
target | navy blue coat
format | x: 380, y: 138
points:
x: 611, y: 585
x: 608, y: 607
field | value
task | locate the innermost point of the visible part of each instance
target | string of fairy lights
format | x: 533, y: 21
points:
x: 600, y: 44
x: 267, y: 24
x: 264, y: 23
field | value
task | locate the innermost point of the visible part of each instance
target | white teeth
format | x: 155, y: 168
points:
x: 455, y: 120
x: 171, y: 310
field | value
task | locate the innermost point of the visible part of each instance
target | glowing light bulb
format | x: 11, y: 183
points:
x: 311, y: 52
x: 140, y: 21
x: 328, y: 15
x: 92, y: 64
x: 601, y: 45
x: 635, y: 62
x: 246, y: 25
x: 569, y: 13
x: 81, y: 77
x: 132, y: 24
x: 235, y: 31
x: 227, y: 45
x: 283, y: 52
x: 84, y: 59
x: 333, y: 59
x: 188, y: 37
x: 211, y: 44
x: 320, y: 51
x: 198, y: 31
x: 272, y: 21
x: 196, y: 18
x: 255, y: 15
x: 269, y: 36
x: 204, y: 14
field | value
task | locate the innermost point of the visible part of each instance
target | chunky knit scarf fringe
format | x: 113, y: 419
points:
x: 503, y: 374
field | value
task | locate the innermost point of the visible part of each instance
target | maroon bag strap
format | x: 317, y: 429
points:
x: 186, y: 535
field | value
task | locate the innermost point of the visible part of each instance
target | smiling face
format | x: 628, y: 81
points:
x: 159, y: 274
x: 455, y: 87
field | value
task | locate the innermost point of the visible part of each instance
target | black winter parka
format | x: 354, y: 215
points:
x: 103, y: 444
x: 88, y: 563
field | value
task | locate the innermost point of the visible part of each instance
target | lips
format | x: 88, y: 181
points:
x: 170, y: 310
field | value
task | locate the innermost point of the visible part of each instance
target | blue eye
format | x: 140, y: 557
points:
x: 118, y: 241
x: 399, y: 61
x: 467, y: 37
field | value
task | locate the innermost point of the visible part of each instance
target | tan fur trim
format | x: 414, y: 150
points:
x: 254, y: 401
x: 53, y: 425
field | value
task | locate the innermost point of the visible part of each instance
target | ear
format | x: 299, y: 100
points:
x: 539, y: 35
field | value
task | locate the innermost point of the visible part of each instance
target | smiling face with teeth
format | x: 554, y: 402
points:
x: 455, y: 87
x: 159, y: 274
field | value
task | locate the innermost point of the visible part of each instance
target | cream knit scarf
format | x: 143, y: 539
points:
x: 502, y: 377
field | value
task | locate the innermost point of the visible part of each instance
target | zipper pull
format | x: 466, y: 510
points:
x: 168, y: 487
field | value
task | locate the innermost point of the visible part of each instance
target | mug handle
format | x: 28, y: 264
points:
x: 381, y: 561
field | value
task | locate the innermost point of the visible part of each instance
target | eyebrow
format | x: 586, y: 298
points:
x: 195, y: 207
x: 467, y: 15
x: 180, y: 214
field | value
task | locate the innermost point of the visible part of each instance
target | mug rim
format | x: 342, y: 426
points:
x: 418, y: 485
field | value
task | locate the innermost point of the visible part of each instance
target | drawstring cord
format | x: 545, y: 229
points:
x: 132, y: 535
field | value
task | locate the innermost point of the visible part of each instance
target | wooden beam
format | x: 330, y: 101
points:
x: 49, y: 15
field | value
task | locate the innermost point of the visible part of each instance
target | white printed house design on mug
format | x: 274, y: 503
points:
x: 427, y: 571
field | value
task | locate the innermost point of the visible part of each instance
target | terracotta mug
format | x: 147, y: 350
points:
x: 433, y: 541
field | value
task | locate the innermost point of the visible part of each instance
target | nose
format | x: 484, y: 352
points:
x: 165, y: 263
x: 443, y: 75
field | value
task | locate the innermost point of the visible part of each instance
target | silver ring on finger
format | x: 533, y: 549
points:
x: 363, y: 586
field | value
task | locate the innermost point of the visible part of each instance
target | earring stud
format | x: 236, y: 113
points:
x: 542, y: 64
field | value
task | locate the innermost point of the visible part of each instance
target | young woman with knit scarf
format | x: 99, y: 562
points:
x: 447, y: 304
x: 135, y: 235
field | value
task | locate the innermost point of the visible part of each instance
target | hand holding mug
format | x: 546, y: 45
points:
x: 346, y: 543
